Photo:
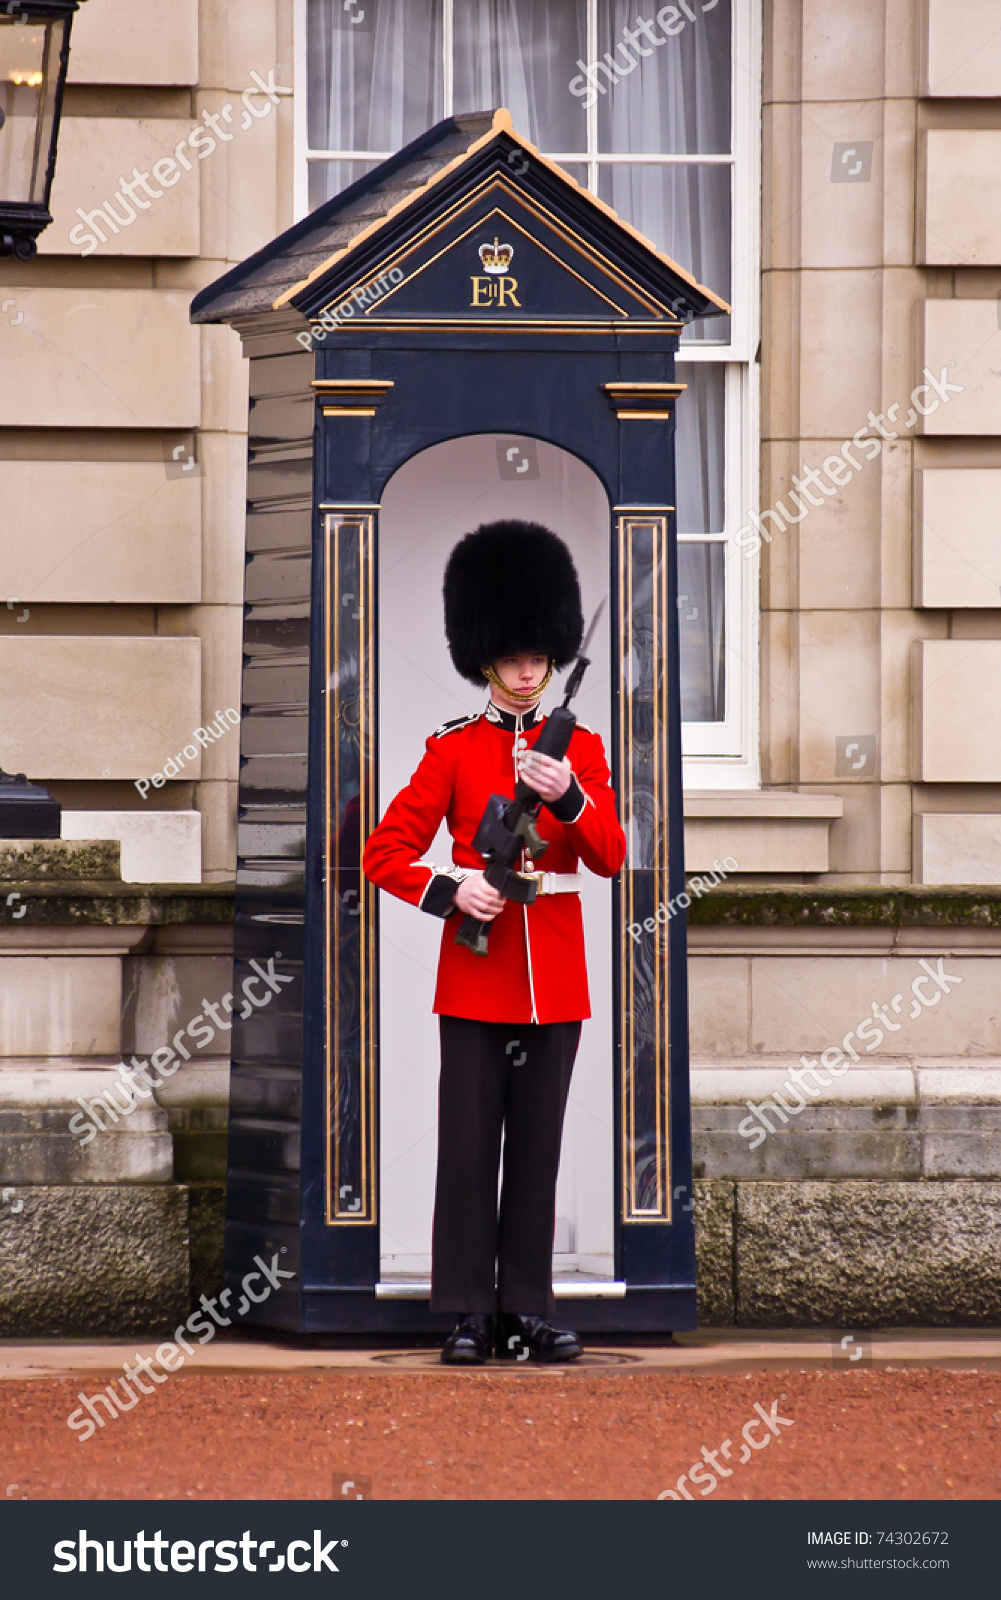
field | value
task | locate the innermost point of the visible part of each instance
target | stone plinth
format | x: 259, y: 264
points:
x: 94, y: 1259
x: 94, y: 1224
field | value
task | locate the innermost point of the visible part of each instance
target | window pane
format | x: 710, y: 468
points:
x: 522, y: 54
x: 576, y: 170
x: 29, y: 64
x: 699, y: 448
x: 684, y: 211
x: 327, y: 178
x: 678, y: 102
x: 701, y: 630
x: 377, y: 84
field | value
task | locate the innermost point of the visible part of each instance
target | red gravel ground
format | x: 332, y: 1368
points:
x: 878, y: 1434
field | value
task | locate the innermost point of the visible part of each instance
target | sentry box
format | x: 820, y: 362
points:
x: 461, y: 335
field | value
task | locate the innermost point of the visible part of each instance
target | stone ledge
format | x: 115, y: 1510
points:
x: 922, y: 1080
x: 53, y: 1080
x: 863, y: 1085
x: 960, y: 1084
x: 44, y: 1152
x: 891, y: 1123
x: 777, y: 804
x: 765, y: 831
x: 110, y: 904
x: 876, y: 907
x: 156, y: 846
x: 198, y: 1086
x: 60, y: 860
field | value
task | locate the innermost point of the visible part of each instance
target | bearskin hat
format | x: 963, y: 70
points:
x: 511, y: 586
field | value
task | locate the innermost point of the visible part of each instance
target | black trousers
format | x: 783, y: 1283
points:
x: 511, y: 1078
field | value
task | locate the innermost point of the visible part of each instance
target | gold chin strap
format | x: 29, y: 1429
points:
x: 524, y: 696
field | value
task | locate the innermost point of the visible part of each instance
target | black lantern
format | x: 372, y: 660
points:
x: 34, y: 55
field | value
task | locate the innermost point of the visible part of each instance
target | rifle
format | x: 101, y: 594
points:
x: 509, y: 826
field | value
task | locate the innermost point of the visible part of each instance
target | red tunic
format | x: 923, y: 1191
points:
x: 535, y: 970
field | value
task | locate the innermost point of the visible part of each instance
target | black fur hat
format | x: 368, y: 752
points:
x: 511, y: 586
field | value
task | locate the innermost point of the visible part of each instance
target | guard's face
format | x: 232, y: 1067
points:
x: 523, y: 672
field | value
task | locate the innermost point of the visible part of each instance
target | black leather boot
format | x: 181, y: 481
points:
x: 471, y: 1342
x: 517, y: 1336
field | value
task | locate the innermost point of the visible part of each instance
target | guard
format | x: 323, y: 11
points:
x: 510, y: 1004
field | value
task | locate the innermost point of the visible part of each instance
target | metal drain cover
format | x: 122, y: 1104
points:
x: 425, y: 1359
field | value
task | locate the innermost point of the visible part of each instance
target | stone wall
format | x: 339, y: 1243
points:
x: 851, y: 1254
x: 123, y: 429
x: 881, y: 258
x: 870, y: 1200
x: 840, y: 1192
x: 110, y: 1230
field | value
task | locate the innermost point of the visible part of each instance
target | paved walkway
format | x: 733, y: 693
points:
x: 773, y: 1416
x: 712, y: 1350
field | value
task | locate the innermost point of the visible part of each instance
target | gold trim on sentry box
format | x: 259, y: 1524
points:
x: 516, y: 227
x: 629, y: 523
x: 374, y: 386
x: 643, y: 402
x: 541, y: 325
x: 590, y: 253
x: 337, y: 524
x: 355, y: 397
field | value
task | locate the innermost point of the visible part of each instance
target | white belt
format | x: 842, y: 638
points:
x: 554, y: 882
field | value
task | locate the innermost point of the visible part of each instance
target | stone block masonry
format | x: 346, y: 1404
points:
x: 94, y: 1259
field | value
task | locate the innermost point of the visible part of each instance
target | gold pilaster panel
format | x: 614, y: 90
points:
x: 642, y: 566
x: 349, y: 778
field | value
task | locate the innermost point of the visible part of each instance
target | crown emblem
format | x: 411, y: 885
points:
x: 496, y: 257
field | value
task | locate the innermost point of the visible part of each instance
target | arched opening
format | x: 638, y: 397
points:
x: 429, y: 503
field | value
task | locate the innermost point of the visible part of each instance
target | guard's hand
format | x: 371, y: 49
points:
x: 550, y: 779
x: 477, y: 898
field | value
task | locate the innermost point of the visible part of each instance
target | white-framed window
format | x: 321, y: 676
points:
x: 656, y: 109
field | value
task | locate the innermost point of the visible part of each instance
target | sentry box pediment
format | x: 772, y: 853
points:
x: 466, y: 287
x: 468, y: 229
